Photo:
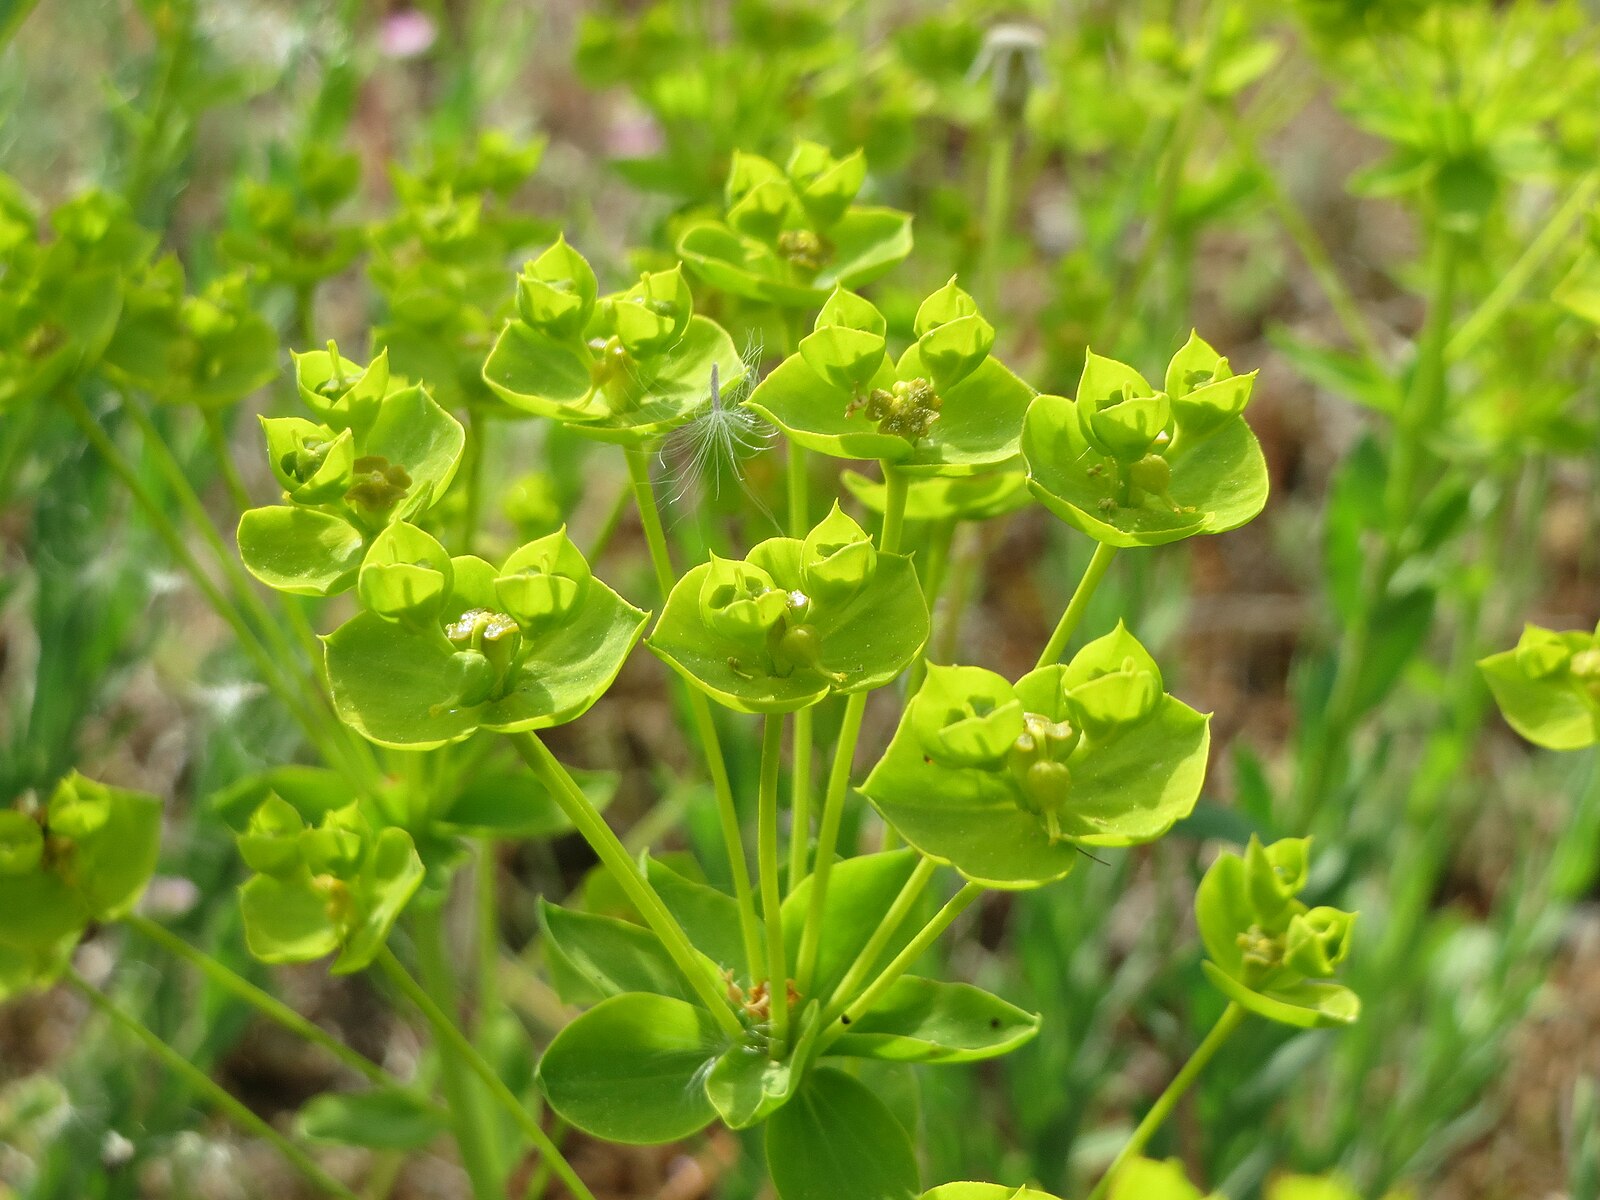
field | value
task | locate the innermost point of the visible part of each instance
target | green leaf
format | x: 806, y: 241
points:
x: 923, y: 1020
x: 1146, y: 1179
x: 413, y: 432
x: 390, y: 876
x: 1545, y: 703
x: 984, y: 1191
x: 867, y: 242
x: 860, y: 891
x: 382, y: 1119
x: 286, y: 919
x: 835, y: 1140
x: 632, y: 1069
x: 709, y: 917
x: 112, y: 865
x: 302, y: 551
x: 592, y: 958
x: 512, y: 803
x: 746, y: 1085
x: 1308, y: 1004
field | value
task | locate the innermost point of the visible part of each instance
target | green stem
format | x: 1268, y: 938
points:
x: 263, y: 1002
x: 610, y: 850
x: 996, y: 211
x: 855, y: 707
x: 210, y: 1089
x: 964, y: 566
x: 1073, y: 613
x: 898, y: 966
x: 445, y: 1031
x: 705, y: 727
x: 488, y: 922
x: 856, y: 977
x: 217, y: 435
x: 473, y: 1133
x: 894, y: 509
x: 1230, y: 1020
x: 800, y: 794
x: 771, y: 899
x: 935, y: 567
x: 472, y: 508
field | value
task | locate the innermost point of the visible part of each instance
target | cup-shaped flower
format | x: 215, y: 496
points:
x: 544, y: 582
x: 344, y: 486
x: 847, y: 344
x: 1132, y: 466
x: 1273, y: 958
x: 953, y: 339
x: 790, y: 236
x: 526, y: 645
x: 947, y: 407
x: 84, y: 856
x: 754, y: 637
x: 967, y: 717
x: 638, y: 365
x: 1548, y: 687
x: 405, y: 576
x: 1020, y: 817
x: 342, y: 393
x: 837, y: 559
x: 338, y: 885
x: 556, y: 292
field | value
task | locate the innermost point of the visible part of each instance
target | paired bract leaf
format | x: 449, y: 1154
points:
x: 945, y: 408
x: 947, y: 497
x: 795, y: 621
x: 1130, y: 466
x: 1009, y: 782
x: 528, y: 645
x: 1548, y: 687
x: 85, y: 856
x: 924, y: 1020
x: 791, y: 235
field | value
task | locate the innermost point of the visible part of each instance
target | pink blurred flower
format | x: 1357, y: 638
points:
x: 407, y: 34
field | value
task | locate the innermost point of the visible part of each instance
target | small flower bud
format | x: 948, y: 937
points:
x: 837, y: 558
x: 740, y: 601
x: 1125, y: 425
x: 556, y: 291
x: 1275, y: 875
x: 312, y: 463
x: 471, y: 678
x: 377, y: 484
x: 763, y: 210
x: 79, y: 808
x: 334, y: 847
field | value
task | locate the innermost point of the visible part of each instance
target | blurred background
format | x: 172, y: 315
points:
x: 1280, y: 176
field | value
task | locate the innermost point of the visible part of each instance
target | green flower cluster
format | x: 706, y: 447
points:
x: 1269, y: 952
x: 379, y: 452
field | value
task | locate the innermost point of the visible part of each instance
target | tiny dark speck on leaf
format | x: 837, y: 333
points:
x: 845, y: 1020
x: 994, y: 1022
